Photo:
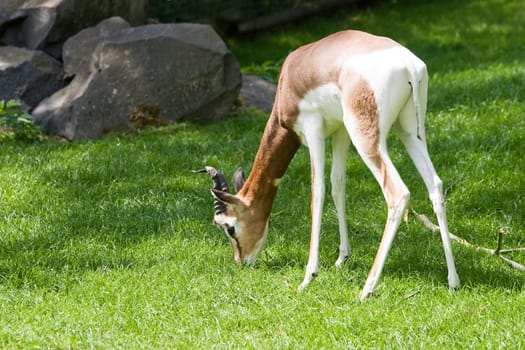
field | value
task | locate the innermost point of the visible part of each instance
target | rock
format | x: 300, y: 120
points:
x: 77, y: 49
x: 46, y: 24
x: 181, y: 71
x: 257, y: 92
x: 7, y: 7
x: 6, y: 10
x: 28, y: 75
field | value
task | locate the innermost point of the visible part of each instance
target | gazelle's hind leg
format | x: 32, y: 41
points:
x: 372, y: 150
x: 340, y: 145
x: 417, y: 149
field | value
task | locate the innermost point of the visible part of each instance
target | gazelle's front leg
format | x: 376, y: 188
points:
x: 315, y: 141
x: 340, y: 146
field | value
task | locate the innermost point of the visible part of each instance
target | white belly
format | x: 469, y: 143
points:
x: 320, y: 109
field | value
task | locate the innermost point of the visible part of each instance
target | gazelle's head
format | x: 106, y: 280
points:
x: 244, y: 225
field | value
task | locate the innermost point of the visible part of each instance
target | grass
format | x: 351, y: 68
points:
x: 108, y: 244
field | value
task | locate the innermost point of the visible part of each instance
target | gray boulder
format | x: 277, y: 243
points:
x: 46, y: 24
x: 257, y: 92
x: 7, y: 8
x: 178, y: 71
x: 28, y: 75
x: 77, y: 50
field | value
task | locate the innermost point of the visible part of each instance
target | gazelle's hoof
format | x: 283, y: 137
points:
x: 307, y: 279
x: 369, y: 288
x: 365, y: 295
x: 341, y: 260
x: 453, y: 282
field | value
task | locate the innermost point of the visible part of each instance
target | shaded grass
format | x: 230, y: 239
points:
x: 108, y: 244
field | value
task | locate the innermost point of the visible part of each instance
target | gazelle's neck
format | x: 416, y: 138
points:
x: 276, y: 150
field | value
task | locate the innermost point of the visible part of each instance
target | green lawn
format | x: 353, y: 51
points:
x: 109, y: 244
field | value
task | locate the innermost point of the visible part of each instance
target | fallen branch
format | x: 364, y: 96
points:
x: 496, y: 252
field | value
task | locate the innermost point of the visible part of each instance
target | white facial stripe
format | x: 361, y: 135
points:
x: 225, y: 221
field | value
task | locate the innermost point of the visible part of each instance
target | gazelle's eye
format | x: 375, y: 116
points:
x: 231, y: 231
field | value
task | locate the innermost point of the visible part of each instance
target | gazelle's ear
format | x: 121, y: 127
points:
x: 238, y: 180
x: 228, y: 198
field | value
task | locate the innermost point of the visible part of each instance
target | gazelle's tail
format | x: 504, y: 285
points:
x: 418, y: 81
x: 415, y: 86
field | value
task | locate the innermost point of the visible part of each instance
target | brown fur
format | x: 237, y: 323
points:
x: 361, y: 100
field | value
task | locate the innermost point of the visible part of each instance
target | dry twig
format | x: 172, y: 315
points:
x: 496, y: 252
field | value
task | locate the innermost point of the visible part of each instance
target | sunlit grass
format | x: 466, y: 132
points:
x: 109, y: 243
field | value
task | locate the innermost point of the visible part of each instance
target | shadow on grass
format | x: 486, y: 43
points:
x: 93, y: 203
x: 474, y: 268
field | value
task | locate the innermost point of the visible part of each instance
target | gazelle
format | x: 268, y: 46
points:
x: 352, y: 86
